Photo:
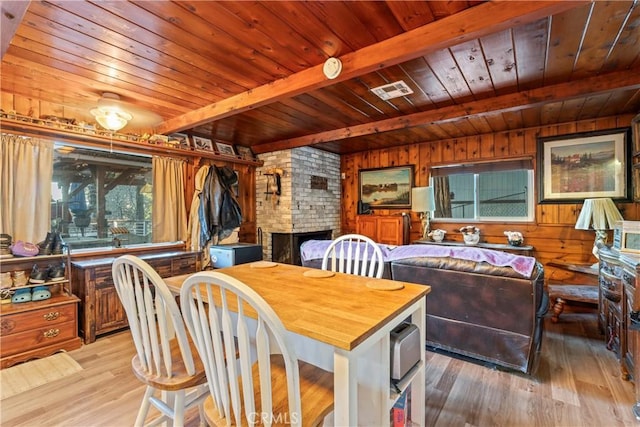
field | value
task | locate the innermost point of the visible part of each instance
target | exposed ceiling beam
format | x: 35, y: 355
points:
x: 511, y: 102
x: 472, y: 23
x: 12, y: 13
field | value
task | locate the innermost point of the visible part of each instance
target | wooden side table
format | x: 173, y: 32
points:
x: 559, y: 293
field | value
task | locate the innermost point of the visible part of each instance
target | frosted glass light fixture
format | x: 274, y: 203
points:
x: 109, y: 115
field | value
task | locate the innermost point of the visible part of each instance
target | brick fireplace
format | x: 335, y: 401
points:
x: 308, y: 206
x: 285, y: 247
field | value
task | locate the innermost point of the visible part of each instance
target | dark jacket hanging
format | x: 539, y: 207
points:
x: 219, y: 211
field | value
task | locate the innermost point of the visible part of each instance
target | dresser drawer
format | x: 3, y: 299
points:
x: 103, y: 277
x: 611, y: 286
x: 38, y: 337
x: 610, y: 266
x: 46, y: 317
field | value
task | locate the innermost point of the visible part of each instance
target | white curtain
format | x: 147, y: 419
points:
x: 169, y: 214
x: 26, y: 170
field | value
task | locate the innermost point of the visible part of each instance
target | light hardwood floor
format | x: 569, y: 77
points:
x: 578, y: 383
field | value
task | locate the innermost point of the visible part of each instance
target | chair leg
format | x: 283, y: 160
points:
x: 144, y: 407
x: 178, y: 408
x: 557, y: 309
x: 203, y: 421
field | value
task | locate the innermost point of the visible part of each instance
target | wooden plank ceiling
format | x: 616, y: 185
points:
x: 250, y: 73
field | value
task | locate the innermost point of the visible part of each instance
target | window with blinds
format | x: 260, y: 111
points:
x: 488, y: 191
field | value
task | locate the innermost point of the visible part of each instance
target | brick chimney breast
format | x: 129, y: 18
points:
x: 309, y: 199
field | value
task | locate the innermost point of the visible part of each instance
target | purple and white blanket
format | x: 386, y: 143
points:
x: 315, y: 249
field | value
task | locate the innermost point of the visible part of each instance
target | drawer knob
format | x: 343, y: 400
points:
x: 53, y: 315
x: 51, y: 333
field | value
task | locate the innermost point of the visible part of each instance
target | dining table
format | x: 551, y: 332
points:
x: 342, y: 323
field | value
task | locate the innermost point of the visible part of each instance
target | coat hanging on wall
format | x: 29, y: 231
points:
x: 219, y: 211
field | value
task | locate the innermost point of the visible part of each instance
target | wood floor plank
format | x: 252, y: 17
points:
x: 578, y: 383
x: 563, y: 386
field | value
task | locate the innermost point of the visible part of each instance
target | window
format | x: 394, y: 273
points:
x: 98, y: 195
x: 485, y: 191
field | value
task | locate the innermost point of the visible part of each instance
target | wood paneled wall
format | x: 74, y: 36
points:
x: 552, y: 233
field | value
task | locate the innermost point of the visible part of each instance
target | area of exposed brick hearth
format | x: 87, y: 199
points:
x: 309, y: 199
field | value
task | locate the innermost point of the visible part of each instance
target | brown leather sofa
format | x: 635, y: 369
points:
x: 483, y: 312
x: 483, y: 304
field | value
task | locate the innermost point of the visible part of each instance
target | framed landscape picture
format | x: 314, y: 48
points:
x: 203, y: 144
x: 223, y: 148
x: 578, y: 166
x: 387, y: 187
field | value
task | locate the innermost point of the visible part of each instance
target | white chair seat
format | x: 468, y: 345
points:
x: 179, y: 378
x: 317, y: 384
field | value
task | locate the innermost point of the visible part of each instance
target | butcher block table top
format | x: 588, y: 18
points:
x: 341, y: 310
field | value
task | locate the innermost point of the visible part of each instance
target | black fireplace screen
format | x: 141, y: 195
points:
x: 285, y: 247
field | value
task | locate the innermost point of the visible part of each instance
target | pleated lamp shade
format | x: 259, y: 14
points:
x: 598, y: 214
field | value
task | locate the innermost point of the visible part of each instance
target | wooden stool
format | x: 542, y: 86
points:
x: 559, y: 294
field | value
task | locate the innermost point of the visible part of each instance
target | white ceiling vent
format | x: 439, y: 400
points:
x: 392, y: 90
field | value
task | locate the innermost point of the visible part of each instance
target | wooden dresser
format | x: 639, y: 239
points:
x: 29, y: 330
x: 387, y: 229
x: 100, y: 308
x: 619, y: 283
x: 611, y: 305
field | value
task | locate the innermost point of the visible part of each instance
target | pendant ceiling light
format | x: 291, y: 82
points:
x: 109, y: 114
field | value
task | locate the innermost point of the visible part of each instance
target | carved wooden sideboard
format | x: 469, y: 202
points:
x: 100, y: 308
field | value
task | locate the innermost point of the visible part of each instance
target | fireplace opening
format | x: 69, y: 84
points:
x: 285, y: 247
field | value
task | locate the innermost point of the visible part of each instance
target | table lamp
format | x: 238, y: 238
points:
x: 422, y: 201
x: 599, y: 215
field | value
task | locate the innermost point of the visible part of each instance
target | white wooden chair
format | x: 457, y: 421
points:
x: 354, y: 254
x: 268, y: 384
x: 164, y: 360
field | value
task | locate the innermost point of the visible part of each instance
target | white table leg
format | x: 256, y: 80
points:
x: 418, y: 385
x: 345, y: 388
